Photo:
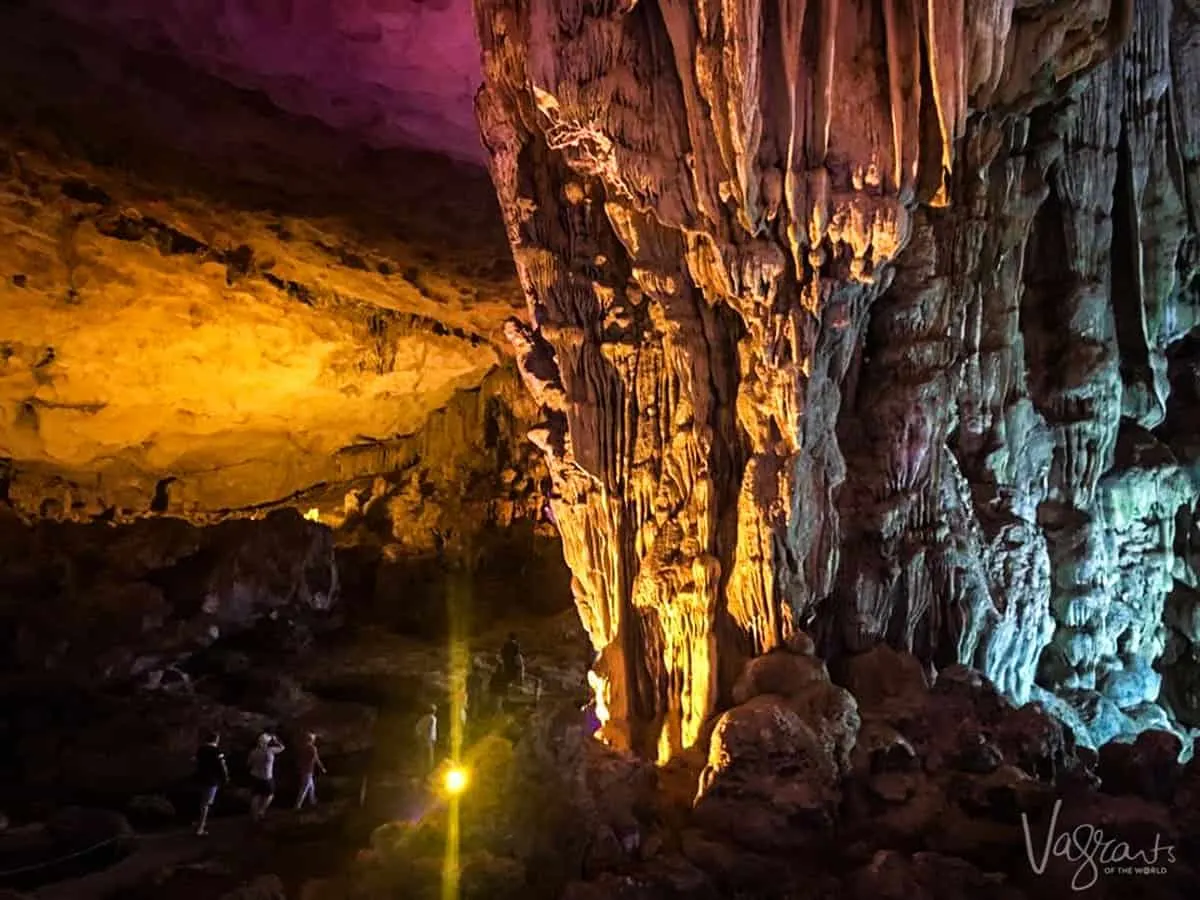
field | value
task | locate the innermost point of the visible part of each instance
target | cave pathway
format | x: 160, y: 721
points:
x: 154, y: 853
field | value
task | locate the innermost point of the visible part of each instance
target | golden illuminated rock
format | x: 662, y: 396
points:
x: 773, y: 256
x: 264, y: 307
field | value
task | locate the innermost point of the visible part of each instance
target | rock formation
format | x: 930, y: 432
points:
x: 265, y: 306
x: 211, y: 308
x: 866, y: 317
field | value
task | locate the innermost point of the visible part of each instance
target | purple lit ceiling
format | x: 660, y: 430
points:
x: 395, y: 72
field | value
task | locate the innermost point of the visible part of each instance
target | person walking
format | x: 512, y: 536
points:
x: 211, y: 775
x: 310, y: 764
x: 427, y: 728
x: 262, y: 774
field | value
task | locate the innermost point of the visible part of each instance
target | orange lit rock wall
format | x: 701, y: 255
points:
x: 825, y: 318
x: 208, y: 306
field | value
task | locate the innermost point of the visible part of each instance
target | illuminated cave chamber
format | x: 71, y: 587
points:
x: 888, y: 339
x: 212, y: 309
x: 869, y: 319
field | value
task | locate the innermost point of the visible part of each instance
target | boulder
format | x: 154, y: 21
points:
x: 1149, y: 767
x: 800, y: 643
x: 735, y: 867
x: 779, y: 672
x: 803, y: 682
x: 1036, y: 741
x: 883, y: 680
x: 963, y: 689
x: 832, y: 713
x: 771, y: 782
x: 881, y: 748
x: 976, y: 754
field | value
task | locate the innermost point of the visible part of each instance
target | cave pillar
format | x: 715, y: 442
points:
x: 703, y: 202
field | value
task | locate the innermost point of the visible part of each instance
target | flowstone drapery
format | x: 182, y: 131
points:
x: 835, y: 307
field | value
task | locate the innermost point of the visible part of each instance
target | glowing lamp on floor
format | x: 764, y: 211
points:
x: 455, y: 781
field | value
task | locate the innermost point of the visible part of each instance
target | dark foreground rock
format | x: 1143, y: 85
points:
x: 911, y: 790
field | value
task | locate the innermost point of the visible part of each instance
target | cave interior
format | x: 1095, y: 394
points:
x: 811, y: 387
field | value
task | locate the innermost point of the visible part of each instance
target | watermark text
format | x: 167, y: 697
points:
x: 1096, y: 854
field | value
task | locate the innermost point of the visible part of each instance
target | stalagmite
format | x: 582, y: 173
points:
x: 828, y: 324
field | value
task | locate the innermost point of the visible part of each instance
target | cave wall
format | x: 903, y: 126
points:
x: 468, y: 495
x: 96, y: 600
x: 214, y: 307
x: 89, y: 603
x: 858, y: 318
x: 208, y: 305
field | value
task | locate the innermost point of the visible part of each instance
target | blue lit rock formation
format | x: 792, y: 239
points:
x: 859, y: 317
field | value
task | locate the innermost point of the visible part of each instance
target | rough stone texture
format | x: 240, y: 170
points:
x: 776, y: 759
x: 866, y: 317
x: 938, y: 814
x: 88, y: 602
x: 390, y: 72
x: 265, y: 306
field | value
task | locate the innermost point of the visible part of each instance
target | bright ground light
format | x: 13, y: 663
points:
x: 455, y: 780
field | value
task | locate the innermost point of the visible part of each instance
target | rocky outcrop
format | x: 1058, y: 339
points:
x: 776, y: 760
x: 951, y: 792
x: 95, y: 603
x: 208, y: 305
x: 859, y: 317
x: 468, y: 494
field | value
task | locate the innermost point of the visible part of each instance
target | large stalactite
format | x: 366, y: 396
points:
x: 854, y: 316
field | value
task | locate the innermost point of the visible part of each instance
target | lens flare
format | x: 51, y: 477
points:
x: 455, y: 780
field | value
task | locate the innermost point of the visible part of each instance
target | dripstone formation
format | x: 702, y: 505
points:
x: 874, y: 318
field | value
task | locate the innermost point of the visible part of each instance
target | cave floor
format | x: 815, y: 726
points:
x: 297, y: 845
x: 327, y: 686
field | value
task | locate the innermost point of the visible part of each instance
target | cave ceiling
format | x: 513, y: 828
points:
x: 231, y: 268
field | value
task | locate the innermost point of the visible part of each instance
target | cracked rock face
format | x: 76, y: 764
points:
x: 870, y: 318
